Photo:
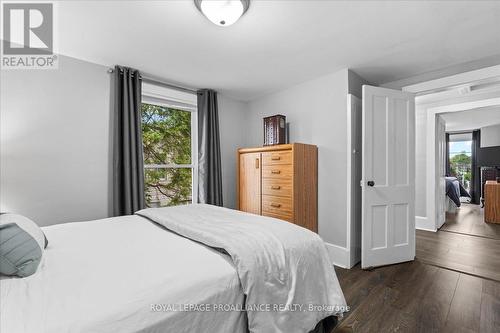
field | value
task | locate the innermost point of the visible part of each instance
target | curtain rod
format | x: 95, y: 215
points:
x: 161, y: 83
x: 463, y: 131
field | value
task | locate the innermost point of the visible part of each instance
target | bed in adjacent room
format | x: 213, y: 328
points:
x: 454, y: 191
x: 152, y: 272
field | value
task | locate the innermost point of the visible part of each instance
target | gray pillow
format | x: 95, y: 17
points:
x: 22, y: 244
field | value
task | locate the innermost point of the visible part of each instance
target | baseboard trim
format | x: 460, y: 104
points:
x: 425, y: 229
x: 339, y: 256
x: 422, y: 223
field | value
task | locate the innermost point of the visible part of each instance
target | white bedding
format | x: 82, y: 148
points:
x: 104, y: 275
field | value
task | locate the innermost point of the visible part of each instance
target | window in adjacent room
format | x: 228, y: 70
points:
x: 169, y: 143
x: 460, y: 157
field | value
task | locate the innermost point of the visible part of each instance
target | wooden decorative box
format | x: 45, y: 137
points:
x: 274, y: 130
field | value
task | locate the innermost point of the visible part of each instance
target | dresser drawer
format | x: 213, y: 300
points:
x: 277, y: 157
x: 277, y: 206
x: 287, y: 218
x: 278, y: 187
x: 284, y: 171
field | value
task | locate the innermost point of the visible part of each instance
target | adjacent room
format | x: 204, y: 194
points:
x: 473, y: 158
x: 250, y: 166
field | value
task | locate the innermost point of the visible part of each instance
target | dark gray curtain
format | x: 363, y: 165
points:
x: 475, y: 183
x: 209, y: 158
x: 447, y: 158
x: 128, y: 163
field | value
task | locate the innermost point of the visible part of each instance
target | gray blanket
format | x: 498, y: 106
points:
x: 455, y: 190
x: 284, y: 270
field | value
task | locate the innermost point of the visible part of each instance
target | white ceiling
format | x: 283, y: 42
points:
x: 471, y: 119
x: 279, y: 43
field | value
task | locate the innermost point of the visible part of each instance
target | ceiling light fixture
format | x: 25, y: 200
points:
x: 222, y: 12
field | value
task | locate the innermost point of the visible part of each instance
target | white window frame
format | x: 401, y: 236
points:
x: 179, y: 100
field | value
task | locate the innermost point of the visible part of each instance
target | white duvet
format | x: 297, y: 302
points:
x: 127, y: 274
x: 284, y: 270
x: 104, y: 276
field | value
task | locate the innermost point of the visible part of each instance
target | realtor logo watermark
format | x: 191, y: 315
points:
x: 28, y: 36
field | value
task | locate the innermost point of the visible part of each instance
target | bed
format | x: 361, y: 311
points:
x: 146, y: 273
x: 454, y: 191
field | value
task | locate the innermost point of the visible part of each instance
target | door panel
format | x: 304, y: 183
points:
x: 440, y: 171
x: 250, y: 183
x: 401, y: 212
x: 379, y: 142
x: 402, y: 149
x: 379, y: 223
x: 388, y: 177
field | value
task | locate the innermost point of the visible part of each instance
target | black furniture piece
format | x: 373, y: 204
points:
x: 488, y: 173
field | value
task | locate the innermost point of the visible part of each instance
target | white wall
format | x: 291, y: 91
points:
x: 55, y: 142
x: 421, y: 161
x: 316, y: 111
x: 232, y: 136
x: 490, y: 136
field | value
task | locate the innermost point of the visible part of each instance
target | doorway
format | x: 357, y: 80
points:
x: 446, y: 98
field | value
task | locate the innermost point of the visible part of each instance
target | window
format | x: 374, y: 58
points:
x: 460, y: 155
x: 169, y: 144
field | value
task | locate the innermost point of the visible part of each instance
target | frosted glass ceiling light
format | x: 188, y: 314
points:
x: 222, y: 12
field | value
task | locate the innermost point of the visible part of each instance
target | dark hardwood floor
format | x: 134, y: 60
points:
x: 452, y: 286
x: 464, y: 253
x: 469, y: 220
x: 417, y: 297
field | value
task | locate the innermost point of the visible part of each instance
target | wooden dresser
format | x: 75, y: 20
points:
x: 280, y: 181
x: 492, y: 201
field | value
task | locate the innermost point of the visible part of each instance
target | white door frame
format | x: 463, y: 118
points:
x: 440, y: 169
x: 452, y: 102
x: 353, y: 187
x: 432, y: 176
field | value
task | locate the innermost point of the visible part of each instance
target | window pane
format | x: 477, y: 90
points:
x: 166, y: 135
x: 168, y: 187
x: 460, y: 155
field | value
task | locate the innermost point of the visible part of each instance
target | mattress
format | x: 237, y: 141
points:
x: 123, y: 275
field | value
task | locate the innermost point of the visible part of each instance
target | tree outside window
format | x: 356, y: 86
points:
x: 167, y: 155
x: 461, y: 162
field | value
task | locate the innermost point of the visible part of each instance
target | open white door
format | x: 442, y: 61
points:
x: 440, y: 171
x: 388, y: 177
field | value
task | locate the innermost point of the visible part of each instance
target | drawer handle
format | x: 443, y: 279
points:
x: 257, y: 164
x: 276, y: 172
x: 275, y: 158
x: 274, y: 187
x: 275, y: 205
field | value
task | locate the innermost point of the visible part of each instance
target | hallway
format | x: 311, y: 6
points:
x: 453, y: 285
x: 469, y: 220
x: 416, y: 297
x: 465, y: 243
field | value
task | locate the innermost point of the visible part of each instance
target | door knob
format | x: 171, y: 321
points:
x: 370, y: 183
